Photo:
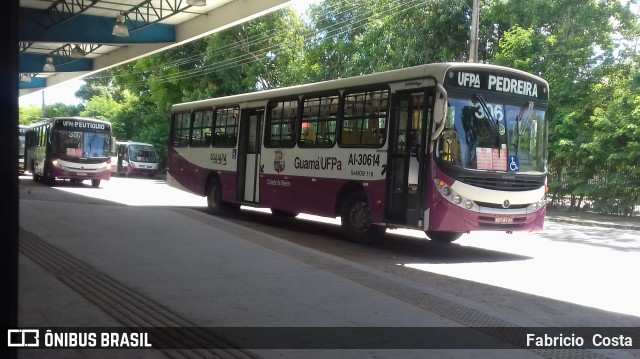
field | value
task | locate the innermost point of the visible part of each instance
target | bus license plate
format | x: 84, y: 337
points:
x: 504, y: 220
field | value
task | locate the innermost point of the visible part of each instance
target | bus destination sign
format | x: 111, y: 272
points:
x: 511, y: 84
x: 83, y: 125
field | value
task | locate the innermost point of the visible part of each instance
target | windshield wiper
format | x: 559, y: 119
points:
x: 524, y: 118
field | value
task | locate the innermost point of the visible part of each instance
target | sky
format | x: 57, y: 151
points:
x: 63, y: 93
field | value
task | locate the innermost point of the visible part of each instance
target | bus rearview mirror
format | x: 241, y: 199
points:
x: 440, y: 106
x: 439, y: 111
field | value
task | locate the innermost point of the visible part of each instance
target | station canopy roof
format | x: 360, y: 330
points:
x: 77, y: 38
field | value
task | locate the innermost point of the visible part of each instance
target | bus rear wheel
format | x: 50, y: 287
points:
x: 443, y: 237
x: 356, y: 220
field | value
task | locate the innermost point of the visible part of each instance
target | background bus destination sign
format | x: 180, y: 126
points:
x: 496, y: 82
x: 83, y: 124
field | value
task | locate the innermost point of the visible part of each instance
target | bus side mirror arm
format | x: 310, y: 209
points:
x: 438, y: 131
x: 439, y: 111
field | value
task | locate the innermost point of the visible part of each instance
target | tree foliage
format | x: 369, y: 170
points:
x: 576, y: 46
x: 31, y: 114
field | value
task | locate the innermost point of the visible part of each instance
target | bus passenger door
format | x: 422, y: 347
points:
x: 249, y: 155
x: 406, y: 159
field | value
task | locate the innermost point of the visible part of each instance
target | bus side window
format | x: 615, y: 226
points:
x: 319, y: 121
x: 181, y: 127
x: 201, y: 134
x: 226, y: 126
x: 364, y: 120
x: 281, y: 121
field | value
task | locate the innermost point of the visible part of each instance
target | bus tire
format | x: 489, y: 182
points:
x: 49, y: 180
x: 283, y: 214
x: 443, y: 237
x: 214, y: 199
x: 95, y: 183
x: 356, y: 220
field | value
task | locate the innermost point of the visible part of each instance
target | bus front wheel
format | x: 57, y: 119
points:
x: 214, y: 199
x: 443, y: 237
x: 283, y: 214
x: 356, y: 220
x: 95, y: 183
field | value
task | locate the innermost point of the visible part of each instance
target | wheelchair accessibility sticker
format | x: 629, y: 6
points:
x: 514, y: 164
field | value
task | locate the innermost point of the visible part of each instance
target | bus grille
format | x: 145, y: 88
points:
x: 501, y: 184
x: 499, y: 205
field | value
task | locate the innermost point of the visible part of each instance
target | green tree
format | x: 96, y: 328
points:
x: 33, y: 113
x: 360, y: 37
x: 29, y: 114
x: 572, y: 45
x: 265, y: 53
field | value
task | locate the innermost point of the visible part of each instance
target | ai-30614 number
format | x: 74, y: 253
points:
x: 364, y: 159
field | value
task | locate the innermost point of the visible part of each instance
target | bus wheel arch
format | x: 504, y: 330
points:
x: 346, y: 190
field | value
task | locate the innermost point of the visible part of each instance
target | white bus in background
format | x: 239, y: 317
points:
x: 131, y: 158
x: 69, y: 148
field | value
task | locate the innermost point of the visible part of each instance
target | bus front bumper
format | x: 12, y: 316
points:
x: 447, y: 217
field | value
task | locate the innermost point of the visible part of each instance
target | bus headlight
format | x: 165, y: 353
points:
x: 542, y: 202
x: 59, y: 165
x: 453, y: 197
x: 538, y: 205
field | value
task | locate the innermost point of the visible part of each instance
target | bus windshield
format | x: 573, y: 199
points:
x: 80, y: 144
x: 142, y: 153
x: 494, y: 136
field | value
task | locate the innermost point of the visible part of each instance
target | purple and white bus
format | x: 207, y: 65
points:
x: 71, y: 148
x: 444, y: 148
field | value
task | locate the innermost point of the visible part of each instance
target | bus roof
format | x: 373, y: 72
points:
x: 435, y: 70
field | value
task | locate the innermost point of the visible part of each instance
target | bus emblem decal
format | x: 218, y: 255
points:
x: 278, y: 161
x: 506, y: 204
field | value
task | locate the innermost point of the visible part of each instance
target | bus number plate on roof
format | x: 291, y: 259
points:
x: 504, y: 220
